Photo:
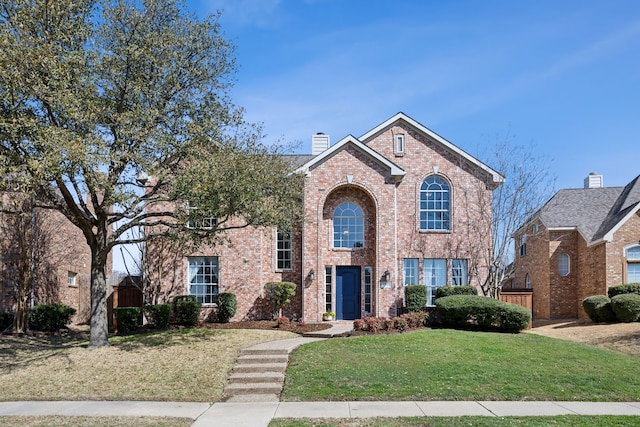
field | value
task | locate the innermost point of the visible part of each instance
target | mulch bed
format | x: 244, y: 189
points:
x: 270, y: 325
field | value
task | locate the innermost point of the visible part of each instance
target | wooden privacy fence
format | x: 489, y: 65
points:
x: 523, y: 297
x: 126, y: 294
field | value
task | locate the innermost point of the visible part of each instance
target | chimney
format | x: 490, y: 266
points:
x: 594, y: 181
x: 319, y: 143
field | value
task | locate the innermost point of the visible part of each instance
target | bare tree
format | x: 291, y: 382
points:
x: 28, y: 272
x: 528, y: 185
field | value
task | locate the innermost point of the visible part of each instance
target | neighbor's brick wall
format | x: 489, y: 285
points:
x: 536, y: 264
x: 628, y: 234
x: 563, y: 289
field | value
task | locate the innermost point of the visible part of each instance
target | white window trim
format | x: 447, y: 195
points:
x: 398, y: 144
x: 72, y: 279
x: 568, y: 258
x: 279, y: 251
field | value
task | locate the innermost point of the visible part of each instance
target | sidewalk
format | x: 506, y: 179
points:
x: 260, y: 414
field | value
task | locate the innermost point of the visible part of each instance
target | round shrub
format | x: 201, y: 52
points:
x: 598, y: 308
x: 630, y: 288
x: 415, y: 297
x: 128, y: 319
x: 227, y: 305
x: 514, y: 317
x: 186, y: 310
x: 158, y: 316
x: 50, y: 317
x: 484, y: 312
x: 447, y: 291
x: 626, y: 307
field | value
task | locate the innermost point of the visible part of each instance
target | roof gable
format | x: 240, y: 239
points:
x: 394, y: 170
x: 595, y: 212
x: 495, y: 176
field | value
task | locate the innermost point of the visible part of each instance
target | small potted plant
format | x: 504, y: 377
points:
x: 328, y: 315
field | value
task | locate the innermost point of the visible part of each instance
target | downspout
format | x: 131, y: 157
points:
x: 395, y: 244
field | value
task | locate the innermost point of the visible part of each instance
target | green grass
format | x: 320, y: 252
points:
x: 59, y: 421
x: 557, y: 421
x: 443, y: 364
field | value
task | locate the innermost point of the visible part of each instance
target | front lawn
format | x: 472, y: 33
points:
x: 175, y: 365
x: 443, y: 364
x: 558, y: 421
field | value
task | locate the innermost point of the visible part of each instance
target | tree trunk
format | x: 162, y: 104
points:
x: 99, y: 322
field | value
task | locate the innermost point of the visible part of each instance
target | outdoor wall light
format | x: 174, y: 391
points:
x: 312, y: 275
x: 387, y: 276
x: 385, y: 280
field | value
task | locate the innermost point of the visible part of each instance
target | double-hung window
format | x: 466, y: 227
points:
x: 458, y: 272
x: 283, y: 251
x: 633, y: 264
x: 411, y: 271
x: 435, y: 275
x: 435, y: 204
x: 203, y: 279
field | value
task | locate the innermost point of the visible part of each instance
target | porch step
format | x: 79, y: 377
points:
x: 263, y: 351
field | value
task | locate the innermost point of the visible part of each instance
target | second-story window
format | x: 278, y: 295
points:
x: 348, y: 226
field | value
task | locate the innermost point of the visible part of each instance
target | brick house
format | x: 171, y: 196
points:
x: 581, y: 242
x: 62, y: 257
x: 398, y: 205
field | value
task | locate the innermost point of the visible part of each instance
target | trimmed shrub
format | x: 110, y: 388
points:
x: 447, y: 291
x: 416, y: 319
x: 415, y: 297
x: 359, y: 325
x: 227, y: 306
x: 514, y: 318
x: 186, y: 310
x: 50, y: 317
x: 158, y: 316
x: 6, y: 321
x: 626, y: 307
x: 484, y: 312
x: 598, y: 308
x: 128, y: 318
x: 279, y: 295
x: 629, y: 288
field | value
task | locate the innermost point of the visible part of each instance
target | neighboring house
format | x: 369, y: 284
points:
x: 398, y: 205
x: 57, y: 252
x: 581, y: 242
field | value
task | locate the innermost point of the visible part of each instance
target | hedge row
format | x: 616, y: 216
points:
x: 621, y: 307
x: 484, y: 312
x: 401, y: 323
x: 629, y: 288
x: 50, y: 317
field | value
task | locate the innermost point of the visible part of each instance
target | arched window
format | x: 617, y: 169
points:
x: 633, y: 264
x: 527, y: 282
x: 348, y: 226
x: 435, y: 204
x: 564, y: 264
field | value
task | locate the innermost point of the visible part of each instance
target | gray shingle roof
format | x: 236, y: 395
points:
x: 593, y: 211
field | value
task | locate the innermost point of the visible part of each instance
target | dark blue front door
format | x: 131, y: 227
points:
x: 347, y: 293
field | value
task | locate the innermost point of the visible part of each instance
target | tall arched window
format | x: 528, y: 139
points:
x: 435, y: 204
x: 348, y: 226
x: 564, y: 266
x: 527, y: 282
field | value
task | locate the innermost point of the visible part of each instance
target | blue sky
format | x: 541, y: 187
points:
x: 559, y: 77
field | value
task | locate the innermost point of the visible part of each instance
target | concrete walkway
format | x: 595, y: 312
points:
x: 258, y: 414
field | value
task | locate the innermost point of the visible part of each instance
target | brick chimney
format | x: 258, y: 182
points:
x: 594, y: 181
x: 319, y: 143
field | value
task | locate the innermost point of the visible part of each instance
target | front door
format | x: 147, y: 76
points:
x: 347, y: 293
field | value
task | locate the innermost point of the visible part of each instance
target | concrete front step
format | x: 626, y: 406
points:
x: 252, y: 398
x: 262, y: 358
x: 235, y: 389
x: 257, y: 377
x: 267, y: 351
x: 260, y: 367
